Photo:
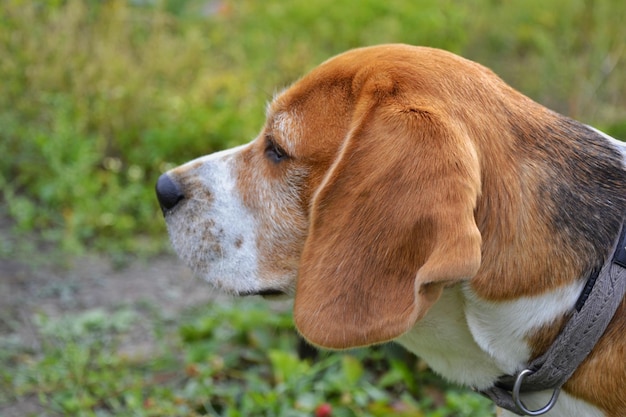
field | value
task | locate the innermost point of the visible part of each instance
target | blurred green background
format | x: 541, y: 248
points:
x: 98, y: 97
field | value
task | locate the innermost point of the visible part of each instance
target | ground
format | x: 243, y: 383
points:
x: 38, y: 283
x: 92, y: 282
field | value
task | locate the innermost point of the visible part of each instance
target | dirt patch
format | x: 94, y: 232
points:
x: 89, y: 283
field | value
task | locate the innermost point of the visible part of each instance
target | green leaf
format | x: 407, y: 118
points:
x: 352, y: 369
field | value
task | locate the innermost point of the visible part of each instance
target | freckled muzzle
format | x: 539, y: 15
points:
x: 168, y: 193
x: 210, y: 228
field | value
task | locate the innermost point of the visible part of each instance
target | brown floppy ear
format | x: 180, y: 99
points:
x: 391, y: 225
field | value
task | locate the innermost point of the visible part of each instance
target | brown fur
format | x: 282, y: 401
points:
x: 416, y: 153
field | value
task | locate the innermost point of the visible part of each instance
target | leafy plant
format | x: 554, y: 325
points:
x: 230, y: 360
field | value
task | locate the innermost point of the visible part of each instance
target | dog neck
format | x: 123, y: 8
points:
x: 472, y: 342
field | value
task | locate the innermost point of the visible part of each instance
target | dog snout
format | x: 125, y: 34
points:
x: 168, y: 193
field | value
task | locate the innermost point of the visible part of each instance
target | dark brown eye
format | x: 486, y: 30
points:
x: 273, y: 151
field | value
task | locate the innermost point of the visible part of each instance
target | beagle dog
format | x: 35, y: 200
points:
x: 406, y: 194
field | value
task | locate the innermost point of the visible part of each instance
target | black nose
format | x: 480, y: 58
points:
x: 168, y: 193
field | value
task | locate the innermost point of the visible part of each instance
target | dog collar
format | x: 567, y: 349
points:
x: 594, y: 309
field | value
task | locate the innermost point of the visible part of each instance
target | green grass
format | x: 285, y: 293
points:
x: 229, y: 360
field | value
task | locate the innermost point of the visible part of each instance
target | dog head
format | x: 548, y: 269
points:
x: 357, y: 197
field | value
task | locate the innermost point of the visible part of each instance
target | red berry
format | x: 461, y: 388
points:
x: 323, y: 410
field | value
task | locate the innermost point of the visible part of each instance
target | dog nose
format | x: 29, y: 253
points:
x: 168, y: 193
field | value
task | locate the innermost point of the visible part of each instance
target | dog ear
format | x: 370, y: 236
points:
x: 391, y: 224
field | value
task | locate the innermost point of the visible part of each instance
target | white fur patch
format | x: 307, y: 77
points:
x: 443, y: 339
x: 472, y: 342
x: 501, y: 328
x: 211, y: 230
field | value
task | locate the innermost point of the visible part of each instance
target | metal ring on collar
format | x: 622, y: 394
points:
x: 518, y: 401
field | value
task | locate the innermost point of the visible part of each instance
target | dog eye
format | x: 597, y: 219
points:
x: 274, y: 152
